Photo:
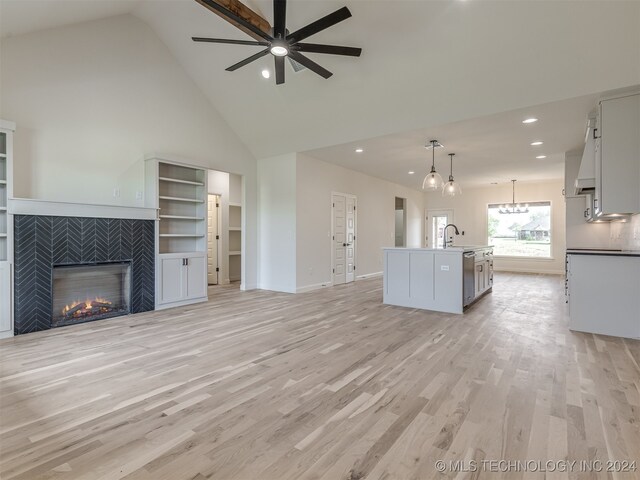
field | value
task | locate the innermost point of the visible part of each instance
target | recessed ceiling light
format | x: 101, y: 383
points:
x: 535, y: 144
x: 530, y: 120
x: 266, y: 73
x: 541, y: 157
x: 359, y: 150
x: 411, y: 173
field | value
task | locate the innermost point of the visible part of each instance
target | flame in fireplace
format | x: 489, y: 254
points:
x: 81, y: 308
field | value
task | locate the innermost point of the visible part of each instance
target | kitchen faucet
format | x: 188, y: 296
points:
x: 444, y: 233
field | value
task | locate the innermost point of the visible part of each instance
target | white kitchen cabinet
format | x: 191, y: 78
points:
x: 604, y: 294
x: 617, y: 153
x: 180, y: 279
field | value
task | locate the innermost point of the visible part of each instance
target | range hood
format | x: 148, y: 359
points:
x: 586, y: 180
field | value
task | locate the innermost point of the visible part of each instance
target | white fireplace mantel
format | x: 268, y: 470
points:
x: 28, y: 206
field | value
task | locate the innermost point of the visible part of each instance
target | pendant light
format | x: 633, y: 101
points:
x: 451, y: 188
x: 433, y: 181
x: 513, y: 207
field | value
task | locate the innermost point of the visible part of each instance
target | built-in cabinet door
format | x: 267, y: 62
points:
x: 196, y: 274
x: 480, y: 277
x: 172, y: 283
x: 5, y: 297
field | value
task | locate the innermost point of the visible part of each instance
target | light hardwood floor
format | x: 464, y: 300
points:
x: 324, y: 385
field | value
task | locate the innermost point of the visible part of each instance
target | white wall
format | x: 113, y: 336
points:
x: 277, y: 223
x: 92, y: 99
x: 470, y: 215
x: 375, y: 218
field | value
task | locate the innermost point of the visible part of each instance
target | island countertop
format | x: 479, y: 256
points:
x: 453, y: 249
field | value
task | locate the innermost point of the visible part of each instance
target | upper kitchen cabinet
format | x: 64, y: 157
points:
x: 617, y: 157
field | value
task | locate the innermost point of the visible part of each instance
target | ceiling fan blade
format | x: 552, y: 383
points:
x: 231, y: 42
x: 279, y: 70
x: 330, y: 49
x: 235, y: 19
x: 279, y: 18
x: 319, y: 25
x: 248, y: 60
x: 310, y: 64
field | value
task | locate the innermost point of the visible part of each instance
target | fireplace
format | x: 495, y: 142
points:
x: 86, y: 292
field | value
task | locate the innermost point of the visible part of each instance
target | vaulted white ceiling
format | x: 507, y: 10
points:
x: 427, y: 67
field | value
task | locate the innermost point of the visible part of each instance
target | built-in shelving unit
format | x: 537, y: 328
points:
x: 235, y: 227
x: 179, y: 192
x: 182, y: 209
x: 6, y: 228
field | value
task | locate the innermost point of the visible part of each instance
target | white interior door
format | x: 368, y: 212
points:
x: 343, y: 238
x: 436, y: 220
x: 351, y: 239
x: 213, y: 239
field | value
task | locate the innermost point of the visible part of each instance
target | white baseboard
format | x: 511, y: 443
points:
x: 7, y: 334
x: 310, y: 288
x: 246, y: 287
x: 369, y: 275
x: 182, y: 303
x: 276, y: 288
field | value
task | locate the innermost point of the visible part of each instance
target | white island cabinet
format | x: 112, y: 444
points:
x: 436, y: 279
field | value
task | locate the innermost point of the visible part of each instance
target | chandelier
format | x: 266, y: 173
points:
x: 513, y: 207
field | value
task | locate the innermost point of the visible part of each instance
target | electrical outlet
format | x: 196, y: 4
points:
x: 138, y: 195
x: 116, y: 192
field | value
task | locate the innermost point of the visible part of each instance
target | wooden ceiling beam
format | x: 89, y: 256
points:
x: 238, y: 9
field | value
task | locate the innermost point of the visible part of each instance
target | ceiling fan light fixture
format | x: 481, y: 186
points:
x: 279, y: 50
x: 266, y: 73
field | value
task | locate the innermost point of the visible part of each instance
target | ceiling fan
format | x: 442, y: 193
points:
x: 278, y: 41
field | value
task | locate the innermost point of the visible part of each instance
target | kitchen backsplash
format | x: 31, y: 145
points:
x: 626, y: 235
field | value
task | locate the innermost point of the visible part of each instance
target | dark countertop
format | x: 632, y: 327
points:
x: 614, y: 253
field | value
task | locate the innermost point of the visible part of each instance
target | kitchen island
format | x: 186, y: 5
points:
x: 443, y: 280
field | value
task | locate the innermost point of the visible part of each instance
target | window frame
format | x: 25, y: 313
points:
x: 551, y: 256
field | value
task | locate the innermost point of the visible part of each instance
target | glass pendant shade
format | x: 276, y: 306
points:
x: 451, y: 188
x: 432, y: 182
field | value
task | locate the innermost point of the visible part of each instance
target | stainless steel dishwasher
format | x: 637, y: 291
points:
x: 469, y: 284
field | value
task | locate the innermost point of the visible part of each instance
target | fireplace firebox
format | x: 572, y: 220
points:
x: 86, y: 292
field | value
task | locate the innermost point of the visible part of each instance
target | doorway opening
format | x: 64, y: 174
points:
x: 343, y: 238
x: 401, y: 222
x: 436, y: 220
x: 225, y: 234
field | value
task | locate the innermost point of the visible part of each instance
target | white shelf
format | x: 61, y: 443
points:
x: 3, y: 182
x: 235, y: 229
x: 234, y: 252
x: 180, y: 199
x: 181, y: 235
x: 181, y: 217
x: 177, y: 180
x: 3, y: 235
x: 3, y: 155
x: 3, y: 209
x: 231, y: 204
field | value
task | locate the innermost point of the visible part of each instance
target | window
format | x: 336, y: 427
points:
x: 521, y: 234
